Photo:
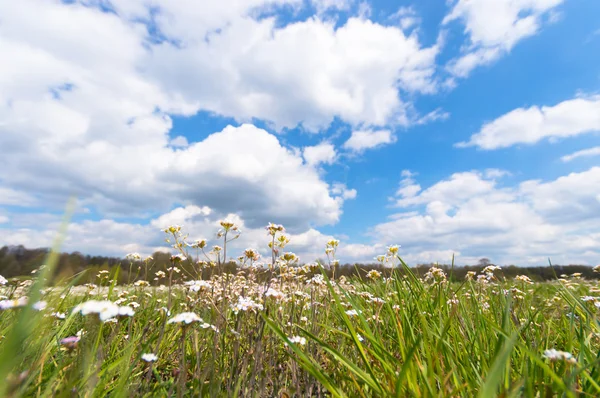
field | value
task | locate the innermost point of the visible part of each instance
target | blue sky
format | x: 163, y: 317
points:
x: 447, y: 127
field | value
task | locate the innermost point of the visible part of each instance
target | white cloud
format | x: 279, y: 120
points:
x: 406, y: 17
x: 530, y: 125
x: 247, y: 71
x: 342, y: 191
x: 4, y: 219
x: 321, y: 153
x: 471, y: 214
x: 495, y: 27
x: 110, y: 237
x: 179, y: 142
x: 11, y: 197
x: 595, y: 151
x: 368, y: 139
x: 95, y: 93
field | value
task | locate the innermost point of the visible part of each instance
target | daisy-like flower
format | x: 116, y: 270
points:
x: 373, y: 274
x: 185, y: 318
x: 246, y: 304
x: 298, y: 340
x: 555, y: 355
x: 149, y: 357
x: 3, y: 281
x: 352, y: 313
x: 21, y: 302
x: 196, y: 286
x: 104, y: 309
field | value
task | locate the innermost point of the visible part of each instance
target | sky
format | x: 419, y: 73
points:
x: 465, y: 128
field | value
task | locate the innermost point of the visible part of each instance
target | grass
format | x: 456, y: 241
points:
x: 280, y: 329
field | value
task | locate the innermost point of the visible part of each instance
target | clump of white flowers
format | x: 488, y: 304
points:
x: 298, y: 340
x: 106, y: 310
x: 555, y: 355
x: 149, y: 357
x: 3, y: 281
x: 185, y: 318
x: 246, y: 304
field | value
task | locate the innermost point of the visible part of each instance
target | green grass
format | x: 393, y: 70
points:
x: 404, y: 336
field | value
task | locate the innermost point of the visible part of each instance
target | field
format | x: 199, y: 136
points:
x: 283, y: 329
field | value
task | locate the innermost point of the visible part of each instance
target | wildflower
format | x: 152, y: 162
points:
x: 251, y: 254
x: 177, y: 258
x: 185, y: 318
x: 373, y: 274
x: 133, y: 257
x: 59, y: 315
x: 246, y: 304
x: 381, y: 258
x: 196, y: 286
x: 393, y: 250
x: 352, y: 313
x: 524, y: 278
x: 555, y: 355
x: 141, y: 283
x: 106, y: 310
x: 491, y: 269
x: 289, y: 257
x: 3, y: 281
x: 70, y: 342
x: 317, y: 280
x: 20, y: 302
x: 471, y: 275
x: 298, y: 340
x: 160, y: 274
x: 205, y: 325
x: 436, y: 275
x: 596, y: 268
x: 276, y: 294
x: 173, y: 229
x: 274, y: 228
x: 360, y: 338
x: 39, y: 306
x: 199, y: 244
x: 149, y: 357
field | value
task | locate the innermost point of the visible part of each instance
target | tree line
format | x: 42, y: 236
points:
x: 20, y: 262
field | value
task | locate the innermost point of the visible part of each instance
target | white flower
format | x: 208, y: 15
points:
x: 245, y: 304
x: 196, y: 286
x: 360, y: 338
x: 104, y: 309
x: 149, y: 357
x: 298, y: 340
x: 276, y: 294
x: 555, y: 355
x: 40, y: 305
x: 185, y: 318
x: 59, y: 315
x: 351, y: 313
x: 3, y: 280
x: 7, y: 304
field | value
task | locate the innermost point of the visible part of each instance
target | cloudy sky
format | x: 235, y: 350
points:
x: 465, y: 127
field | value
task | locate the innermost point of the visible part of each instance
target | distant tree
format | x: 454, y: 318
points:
x: 484, y: 262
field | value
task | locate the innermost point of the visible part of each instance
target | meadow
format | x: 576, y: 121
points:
x: 278, y: 327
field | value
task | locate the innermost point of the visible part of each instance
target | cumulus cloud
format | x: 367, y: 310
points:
x: 530, y: 125
x: 495, y: 27
x: 321, y: 153
x: 95, y: 89
x: 362, y: 140
x: 471, y: 213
